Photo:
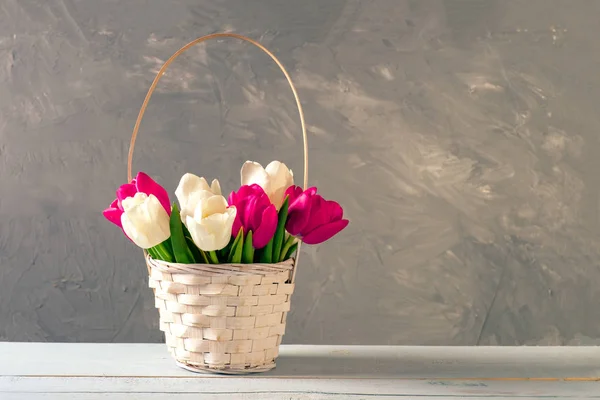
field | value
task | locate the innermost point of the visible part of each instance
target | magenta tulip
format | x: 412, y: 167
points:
x: 312, y: 218
x: 254, y: 213
x: 141, y: 183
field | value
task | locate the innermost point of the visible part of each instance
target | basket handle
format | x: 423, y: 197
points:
x: 161, y: 72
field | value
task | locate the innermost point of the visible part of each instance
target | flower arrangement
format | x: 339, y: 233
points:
x: 262, y: 222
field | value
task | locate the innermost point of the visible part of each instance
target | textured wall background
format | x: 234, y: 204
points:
x: 462, y: 137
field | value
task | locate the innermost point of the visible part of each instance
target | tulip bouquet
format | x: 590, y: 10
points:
x: 262, y: 222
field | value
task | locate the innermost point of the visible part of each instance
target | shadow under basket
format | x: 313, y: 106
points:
x: 224, y: 318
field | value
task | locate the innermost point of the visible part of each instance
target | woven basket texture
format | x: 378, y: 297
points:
x: 227, y: 318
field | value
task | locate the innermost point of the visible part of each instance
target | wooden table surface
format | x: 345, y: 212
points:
x: 146, y: 371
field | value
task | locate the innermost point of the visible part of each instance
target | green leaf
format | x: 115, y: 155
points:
x: 186, y: 232
x: 288, y: 243
x: 248, y: 250
x: 181, y: 250
x: 291, y: 251
x: 235, y: 254
x: 198, y: 254
x: 280, y: 232
x: 266, y: 253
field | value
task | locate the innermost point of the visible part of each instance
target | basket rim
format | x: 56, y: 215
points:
x: 221, y: 269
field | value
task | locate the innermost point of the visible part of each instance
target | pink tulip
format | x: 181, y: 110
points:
x: 312, y: 218
x: 141, y: 183
x: 254, y: 213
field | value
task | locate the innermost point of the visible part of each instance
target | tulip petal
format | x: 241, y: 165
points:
x: 113, y: 214
x: 318, y: 214
x: 219, y: 225
x: 335, y: 211
x: 125, y: 191
x: 213, y: 232
x: 268, y: 224
x: 215, y: 187
x: 325, y: 232
x: 298, y: 214
x: 237, y: 224
x: 232, y: 199
x: 280, y: 179
x: 277, y: 169
x: 236, y: 200
x: 189, y: 203
x: 145, y: 221
x: 201, y: 235
x: 185, y: 189
x: 211, y: 204
x: 253, y: 173
x: 147, y: 185
x: 251, y: 219
x: 255, y: 213
x: 276, y: 197
x: 293, y: 192
x: 191, y: 190
x: 241, y: 213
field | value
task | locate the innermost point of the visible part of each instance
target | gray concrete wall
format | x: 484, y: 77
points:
x: 462, y: 137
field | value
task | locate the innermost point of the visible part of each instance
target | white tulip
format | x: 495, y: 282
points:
x: 210, y: 225
x: 274, y: 179
x: 145, y: 221
x: 190, y: 191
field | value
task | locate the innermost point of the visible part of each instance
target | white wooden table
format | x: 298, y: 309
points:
x: 47, y: 371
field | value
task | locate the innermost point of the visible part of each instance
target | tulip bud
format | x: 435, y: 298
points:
x: 145, y: 220
x: 312, y: 218
x: 254, y: 213
x: 274, y: 179
x: 210, y: 225
x: 189, y: 191
x: 141, y: 183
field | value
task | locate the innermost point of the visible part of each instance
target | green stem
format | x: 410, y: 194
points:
x: 153, y: 253
x: 168, y: 249
x: 213, y: 257
x: 291, y: 251
x: 205, y: 259
x: 163, y: 251
x: 288, y: 243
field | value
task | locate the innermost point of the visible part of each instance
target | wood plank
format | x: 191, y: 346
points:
x: 310, y: 396
x: 162, y: 396
x: 146, y: 371
x: 378, y: 362
x: 258, y: 388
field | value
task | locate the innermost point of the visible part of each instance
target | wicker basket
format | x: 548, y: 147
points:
x: 227, y: 318
x: 224, y: 317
